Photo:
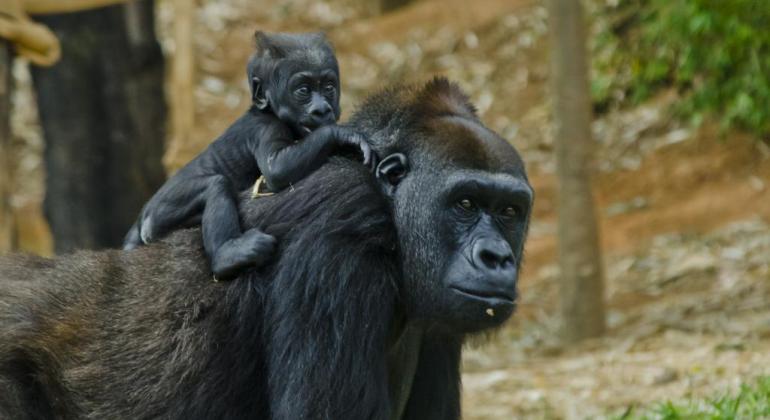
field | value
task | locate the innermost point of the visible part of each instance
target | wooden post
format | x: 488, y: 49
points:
x: 103, y: 114
x: 182, y: 81
x: 7, y: 225
x: 65, y: 6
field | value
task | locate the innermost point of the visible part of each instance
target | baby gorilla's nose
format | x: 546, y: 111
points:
x: 320, y: 110
x: 321, y: 113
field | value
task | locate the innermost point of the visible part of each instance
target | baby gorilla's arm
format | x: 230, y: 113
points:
x: 284, y: 161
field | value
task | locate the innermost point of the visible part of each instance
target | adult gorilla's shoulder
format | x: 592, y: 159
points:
x: 149, y: 334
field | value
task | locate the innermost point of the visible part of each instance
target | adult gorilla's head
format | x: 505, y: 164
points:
x: 460, y: 201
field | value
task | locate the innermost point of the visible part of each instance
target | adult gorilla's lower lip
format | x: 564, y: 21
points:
x: 485, y: 295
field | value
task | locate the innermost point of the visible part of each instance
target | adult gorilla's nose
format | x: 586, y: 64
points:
x: 495, y: 267
x: 493, y: 255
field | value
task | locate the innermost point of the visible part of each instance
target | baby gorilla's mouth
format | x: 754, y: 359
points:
x: 309, y: 125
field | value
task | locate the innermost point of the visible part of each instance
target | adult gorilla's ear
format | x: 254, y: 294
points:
x: 258, y: 94
x: 392, y: 170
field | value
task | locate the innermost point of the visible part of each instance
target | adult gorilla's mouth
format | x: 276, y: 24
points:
x: 478, y: 309
x: 491, y: 296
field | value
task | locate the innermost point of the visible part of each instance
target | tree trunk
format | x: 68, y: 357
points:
x: 7, y: 225
x: 582, y: 288
x: 103, y: 115
x: 182, y: 82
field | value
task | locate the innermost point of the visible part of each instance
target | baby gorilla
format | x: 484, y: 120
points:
x: 288, y: 132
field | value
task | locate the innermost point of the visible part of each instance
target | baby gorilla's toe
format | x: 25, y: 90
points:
x: 133, y: 239
x: 146, y: 231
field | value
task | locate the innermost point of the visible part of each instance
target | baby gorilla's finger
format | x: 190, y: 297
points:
x: 369, y: 156
x: 355, y: 138
x: 374, y: 161
x: 367, y: 152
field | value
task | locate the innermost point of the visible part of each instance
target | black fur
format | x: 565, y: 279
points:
x: 287, y: 133
x: 108, y: 339
x: 355, y: 320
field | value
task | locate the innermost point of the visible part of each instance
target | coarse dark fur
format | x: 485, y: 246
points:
x: 359, y: 317
x: 288, y: 132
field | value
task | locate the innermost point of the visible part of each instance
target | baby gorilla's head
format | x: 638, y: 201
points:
x: 296, y: 77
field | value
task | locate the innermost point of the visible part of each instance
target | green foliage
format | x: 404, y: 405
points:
x: 751, y: 402
x: 716, y: 53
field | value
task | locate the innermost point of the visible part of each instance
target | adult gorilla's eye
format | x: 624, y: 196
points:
x: 303, y: 90
x: 330, y: 88
x: 466, y: 204
x: 510, y: 212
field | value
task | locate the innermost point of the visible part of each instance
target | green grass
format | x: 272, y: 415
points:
x: 752, y: 401
x: 715, y: 53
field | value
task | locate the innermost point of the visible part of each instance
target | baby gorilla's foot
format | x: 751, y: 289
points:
x: 133, y: 240
x: 147, y: 230
x: 253, y: 248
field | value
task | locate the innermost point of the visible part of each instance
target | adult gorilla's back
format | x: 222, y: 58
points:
x: 377, y: 281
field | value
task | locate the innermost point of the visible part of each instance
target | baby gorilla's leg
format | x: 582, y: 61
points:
x: 177, y: 201
x: 230, y: 251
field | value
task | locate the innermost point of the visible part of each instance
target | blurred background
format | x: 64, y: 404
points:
x: 679, y: 96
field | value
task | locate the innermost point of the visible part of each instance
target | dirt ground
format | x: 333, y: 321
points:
x: 685, y: 212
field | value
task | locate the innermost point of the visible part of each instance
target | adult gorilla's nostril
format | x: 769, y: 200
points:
x: 492, y: 254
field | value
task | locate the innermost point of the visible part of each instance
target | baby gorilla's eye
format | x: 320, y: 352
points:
x: 303, y: 90
x: 330, y: 87
x: 466, y: 204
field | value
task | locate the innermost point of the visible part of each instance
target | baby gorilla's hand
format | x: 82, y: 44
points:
x: 348, y: 136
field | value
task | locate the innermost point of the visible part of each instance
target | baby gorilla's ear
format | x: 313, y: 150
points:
x: 258, y: 94
x: 269, y: 45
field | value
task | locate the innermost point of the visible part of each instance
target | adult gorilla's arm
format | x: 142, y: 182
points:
x: 435, y: 393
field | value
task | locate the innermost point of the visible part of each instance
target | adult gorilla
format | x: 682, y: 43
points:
x: 378, y: 281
